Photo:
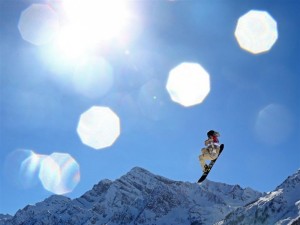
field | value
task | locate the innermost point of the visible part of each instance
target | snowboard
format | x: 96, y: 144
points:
x: 210, y: 165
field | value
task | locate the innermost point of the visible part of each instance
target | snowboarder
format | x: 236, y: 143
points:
x: 211, y: 152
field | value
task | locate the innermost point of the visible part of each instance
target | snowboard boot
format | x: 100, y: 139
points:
x: 206, y: 168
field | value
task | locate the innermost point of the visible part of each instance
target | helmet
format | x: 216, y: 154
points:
x: 212, y: 133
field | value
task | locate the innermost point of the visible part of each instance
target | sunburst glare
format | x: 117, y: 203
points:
x: 93, y: 77
x: 90, y: 23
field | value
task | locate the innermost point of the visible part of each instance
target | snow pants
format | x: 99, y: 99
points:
x: 208, y: 153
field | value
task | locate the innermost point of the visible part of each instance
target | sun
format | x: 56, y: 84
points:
x: 90, y: 23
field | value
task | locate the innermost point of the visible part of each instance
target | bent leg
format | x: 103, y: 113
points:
x: 204, y: 156
x: 202, y: 161
x: 216, y: 152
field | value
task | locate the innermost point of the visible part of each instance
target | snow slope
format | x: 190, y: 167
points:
x: 279, y: 207
x: 139, y: 197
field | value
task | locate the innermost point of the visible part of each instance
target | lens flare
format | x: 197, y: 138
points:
x: 93, y: 77
x: 69, y: 44
x: 97, y: 19
x: 59, y: 173
x: 274, y: 124
x: 90, y: 24
x: 150, y: 100
x: 188, y: 84
x: 256, y: 31
x: 98, y: 127
x: 38, y: 24
x: 22, y: 166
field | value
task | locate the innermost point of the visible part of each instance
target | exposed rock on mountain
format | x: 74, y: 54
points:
x: 140, y: 197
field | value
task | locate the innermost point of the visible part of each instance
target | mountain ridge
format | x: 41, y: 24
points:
x: 280, y: 207
x: 140, y: 197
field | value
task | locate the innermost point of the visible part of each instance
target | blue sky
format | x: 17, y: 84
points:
x: 253, y: 101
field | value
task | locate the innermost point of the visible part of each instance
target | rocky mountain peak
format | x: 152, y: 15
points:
x: 281, y: 206
x: 291, y: 182
x: 140, y: 197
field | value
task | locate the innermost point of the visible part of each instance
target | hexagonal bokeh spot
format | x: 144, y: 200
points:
x: 98, y: 127
x: 256, y: 31
x: 271, y: 121
x: 38, y: 24
x: 59, y: 173
x: 188, y: 84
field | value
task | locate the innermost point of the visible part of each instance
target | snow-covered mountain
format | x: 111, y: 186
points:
x: 4, y: 217
x: 279, y: 207
x: 140, y: 197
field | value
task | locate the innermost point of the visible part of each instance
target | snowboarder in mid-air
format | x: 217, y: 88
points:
x: 211, y: 152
